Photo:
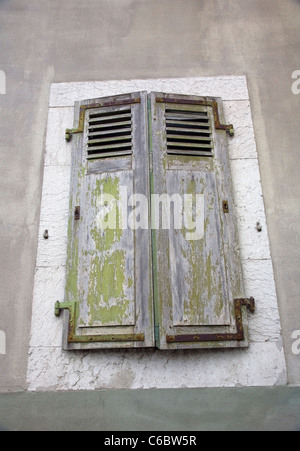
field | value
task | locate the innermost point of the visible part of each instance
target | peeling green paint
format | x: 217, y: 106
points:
x: 73, y: 240
x: 130, y: 282
x: 72, y: 263
x: 204, y: 295
x: 104, y: 239
x: 107, y: 300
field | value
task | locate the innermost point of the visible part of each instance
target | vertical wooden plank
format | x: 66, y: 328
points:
x: 197, y: 265
x: 106, y: 259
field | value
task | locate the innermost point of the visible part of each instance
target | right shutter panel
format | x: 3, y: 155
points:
x: 199, y: 295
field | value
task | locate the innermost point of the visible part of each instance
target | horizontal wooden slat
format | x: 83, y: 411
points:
x: 187, y: 144
x: 124, y: 131
x: 183, y: 152
x: 110, y: 125
x: 109, y: 154
x: 188, y: 131
x: 111, y: 139
x: 180, y: 117
x: 101, y: 118
x: 187, y: 138
x: 185, y: 123
x: 111, y: 112
x: 111, y: 146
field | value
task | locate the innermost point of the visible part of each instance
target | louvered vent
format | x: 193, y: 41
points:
x: 188, y: 133
x: 109, y: 134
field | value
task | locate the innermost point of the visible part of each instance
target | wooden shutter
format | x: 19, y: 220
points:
x: 109, y: 279
x: 199, y: 294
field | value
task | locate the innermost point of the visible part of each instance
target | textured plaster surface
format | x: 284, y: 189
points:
x: 51, y: 368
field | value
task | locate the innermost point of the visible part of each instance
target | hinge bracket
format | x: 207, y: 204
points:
x: 238, y: 336
x: 207, y: 101
x: 72, y: 131
x: 73, y: 338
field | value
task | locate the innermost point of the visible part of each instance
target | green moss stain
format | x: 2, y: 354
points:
x: 107, y: 299
x: 72, y: 273
x: 193, y: 305
x: 73, y: 254
x: 130, y: 282
x: 109, y: 290
x: 104, y: 237
x: 204, y: 296
x: 97, y: 276
x: 72, y: 261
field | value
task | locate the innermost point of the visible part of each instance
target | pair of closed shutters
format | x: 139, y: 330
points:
x: 152, y: 252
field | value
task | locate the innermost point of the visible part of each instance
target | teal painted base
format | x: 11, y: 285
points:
x: 207, y: 409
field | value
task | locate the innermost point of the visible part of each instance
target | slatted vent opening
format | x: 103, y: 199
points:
x: 188, y: 133
x: 109, y: 134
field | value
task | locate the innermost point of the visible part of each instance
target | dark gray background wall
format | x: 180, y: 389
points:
x: 44, y: 41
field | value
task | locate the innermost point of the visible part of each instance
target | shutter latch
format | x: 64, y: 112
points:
x: 77, y: 213
x: 225, y: 206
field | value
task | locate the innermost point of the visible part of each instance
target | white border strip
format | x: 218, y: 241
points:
x: 229, y: 88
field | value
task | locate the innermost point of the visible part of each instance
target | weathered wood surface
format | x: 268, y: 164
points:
x: 109, y: 264
x: 201, y: 277
x: 196, y: 266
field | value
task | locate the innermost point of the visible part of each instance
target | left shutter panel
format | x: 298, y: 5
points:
x: 109, y: 283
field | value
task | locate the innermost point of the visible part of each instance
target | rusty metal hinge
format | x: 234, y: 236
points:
x: 208, y: 101
x: 238, y: 336
x: 72, y: 131
x: 72, y: 307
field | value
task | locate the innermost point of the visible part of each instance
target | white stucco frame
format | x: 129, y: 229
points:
x: 51, y: 368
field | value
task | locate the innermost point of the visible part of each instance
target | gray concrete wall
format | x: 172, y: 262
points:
x: 44, y: 41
